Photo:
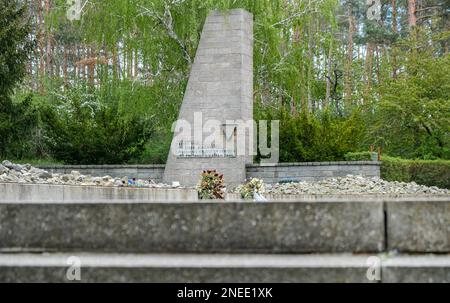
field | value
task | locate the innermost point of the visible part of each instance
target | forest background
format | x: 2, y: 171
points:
x: 106, y: 88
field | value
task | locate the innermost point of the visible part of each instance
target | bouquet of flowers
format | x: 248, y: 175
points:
x: 211, y: 185
x: 248, y: 189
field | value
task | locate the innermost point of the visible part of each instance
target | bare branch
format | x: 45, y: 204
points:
x: 166, y: 21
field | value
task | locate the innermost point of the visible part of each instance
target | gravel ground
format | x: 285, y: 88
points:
x: 10, y: 172
x: 351, y: 184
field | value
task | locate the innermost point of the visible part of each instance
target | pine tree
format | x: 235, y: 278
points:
x: 15, y: 48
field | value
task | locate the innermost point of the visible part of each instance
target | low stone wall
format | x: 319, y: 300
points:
x: 188, y: 268
x: 304, y: 171
x: 222, y: 268
x: 149, y: 220
x: 30, y: 193
x: 419, y: 226
x: 312, y: 171
x: 16, y: 192
x: 198, y: 227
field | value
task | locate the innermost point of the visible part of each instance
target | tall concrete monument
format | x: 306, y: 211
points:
x: 220, y: 90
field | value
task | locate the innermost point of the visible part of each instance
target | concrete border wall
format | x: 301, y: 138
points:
x: 141, y: 219
x: 305, y: 171
x: 200, y: 227
x: 30, y: 193
x: 312, y: 171
x: 21, y: 192
x: 418, y: 226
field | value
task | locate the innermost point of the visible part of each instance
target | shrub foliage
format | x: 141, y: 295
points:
x: 426, y: 172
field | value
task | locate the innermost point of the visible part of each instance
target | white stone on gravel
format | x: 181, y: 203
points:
x: 10, y: 172
x: 351, y: 184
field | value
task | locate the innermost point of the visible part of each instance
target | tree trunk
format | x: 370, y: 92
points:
x: 136, y: 63
x: 348, y: 67
x: 91, y: 66
x: 394, y: 30
x: 81, y: 68
x: 48, y: 47
x: 129, y: 61
x: 75, y: 58
x: 377, y: 52
x: 328, y: 89
x: 119, y: 67
x: 65, y: 66
x: 40, y: 46
x: 310, y: 66
x: 412, y: 13
x: 56, y: 63
x: 115, y: 63
x: 293, y: 107
x: 369, y: 67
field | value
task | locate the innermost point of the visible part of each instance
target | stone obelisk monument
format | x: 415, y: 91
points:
x: 220, y: 87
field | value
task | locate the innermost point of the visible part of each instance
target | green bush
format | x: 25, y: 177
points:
x: 85, y: 127
x: 155, y: 150
x: 318, y: 137
x: 19, y: 129
x: 17, y: 119
x: 359, y: 156
x: 413, y: 113
x: 426, y: 172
